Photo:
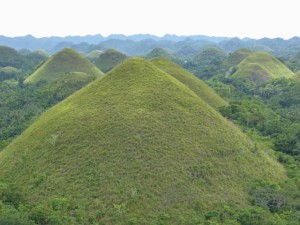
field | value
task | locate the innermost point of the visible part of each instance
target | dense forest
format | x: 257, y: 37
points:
x: 255, y: 89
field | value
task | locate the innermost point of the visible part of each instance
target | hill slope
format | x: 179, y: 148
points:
x: 64, y: 63
x: 261, y: 67
x: 192, y: 82
x: 135, y: 144
x: 160, y: 52
x: 109, y: 59
x: 208, y: 62
x: 10, y: 57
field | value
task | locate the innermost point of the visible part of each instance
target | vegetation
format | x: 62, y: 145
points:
x: 109, y: 59
x: 192, y: 82
x: 261, y: 67
x: 160, y: 52
x: 93, y: 55
x: 207, y: 63
x: 136, y: 146
x: 64, y: 63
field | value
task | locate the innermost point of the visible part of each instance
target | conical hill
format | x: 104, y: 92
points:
x: 65, y: 63
x: 195, y: 84
x: 132, y: 145
x: 261, y: 67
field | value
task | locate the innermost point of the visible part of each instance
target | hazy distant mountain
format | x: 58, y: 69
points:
x: 140, y: 44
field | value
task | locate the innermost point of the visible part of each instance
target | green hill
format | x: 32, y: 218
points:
x: 192, y: 82
x: 93, y: 55
x: 64, y: 63
x: 109, y: 59
x: 160, y: 52
x: 294, y: 62
x: 8, y: 73
x: 10, y: 57
x: 35, y: 58
x: 135, y: 146
x: 208, y: 62
x: 261, y: 67
x: 238, y: 56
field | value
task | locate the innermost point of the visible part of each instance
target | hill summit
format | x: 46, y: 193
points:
x: 136, y: 144
x: 65, y: 63
x: 261, y: 67
x: 198, y: 86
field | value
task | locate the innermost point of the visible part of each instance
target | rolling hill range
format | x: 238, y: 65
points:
x: 199, y: 87
x: 261, y: 67
x: 65, y: 64
x: 109, y: 59
x: 136, y: 143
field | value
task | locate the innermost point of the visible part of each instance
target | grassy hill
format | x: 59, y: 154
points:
x: 160, y: 52
x: 261, y: 67
x: 10, y: 57
x: 109, y: 59
x: 8, y: 73
x: 238, y: 56
x: 135, y: 146
x: 93, y: 55
x: 192, y: 82
x: 208, y: 62
x: 294, y: 62
x: 62, y: 64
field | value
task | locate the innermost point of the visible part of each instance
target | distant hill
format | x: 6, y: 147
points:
x: 261, y: 67
x: 93, y: 55
x: 160, y: 52
x: 131, y: 145
x: 109, y: 59
x: 294, y: 62
x: 64, y: 63
x: 208, y: 62
x: 191, y: 81
x: 8, y: 73
x: 37, y: 57
x: 238, y: 56
x: 10, y: 57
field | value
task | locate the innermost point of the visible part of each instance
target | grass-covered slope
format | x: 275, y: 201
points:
x: 160, y: 52
x: 93, y: 55
x: 10, y: 57
x: 136, y: 145
x: 192, y: 82
x: 109, y: 59
x: 238, y: 56
x: 62, y: 64
x: 261, y: 67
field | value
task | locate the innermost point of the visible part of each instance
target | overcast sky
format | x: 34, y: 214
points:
x: 241, y: 18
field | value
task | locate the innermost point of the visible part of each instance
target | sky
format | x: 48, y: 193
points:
x: 230, y: 18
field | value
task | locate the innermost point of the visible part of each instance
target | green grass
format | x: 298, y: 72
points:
x: 297, y: 76
x: 261, y: 67
x: 135, y: 145
x: 93, y: 55
x: 191, y: 81
x: 109, y: 59
x: 62, y: 64
x: 160, y: 52
x: 10, y: 57
x: 238, y: 56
